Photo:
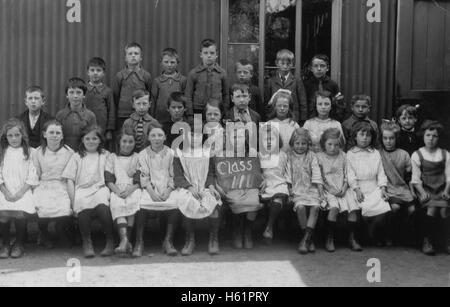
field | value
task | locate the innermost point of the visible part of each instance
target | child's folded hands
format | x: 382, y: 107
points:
x: 424, y: 197
x: 127, y: 192
x: 359, y: 195
x: 195, y: 193
x: 340, y: 194
x: 262, y: 187
x: 343, y: 191
x: 18, y: 195
x: 9, y: 196
x: 153, y: 194
x: 166, y: 194
x: 214, y: 192
x: 384, y: 194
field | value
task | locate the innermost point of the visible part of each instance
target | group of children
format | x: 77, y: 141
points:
x: 105, y: 156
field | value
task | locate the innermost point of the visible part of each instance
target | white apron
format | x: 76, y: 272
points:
x: 196, y: 172
x: 123, y: 169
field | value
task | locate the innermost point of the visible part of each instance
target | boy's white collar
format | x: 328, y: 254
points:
x: 285, y: 76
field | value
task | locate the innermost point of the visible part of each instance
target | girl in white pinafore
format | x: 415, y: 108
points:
x: 367, y: 178
x: 275, y: 191
x: 51, y: 197
x: 156, y: 169
x: 87, y: 174
x: 124, y: 169
x: 17, y: 177
x: 89, y: 195
x: 122, y: 178
x: 306, y: 187
x: 196, y: 193
x: 332, y: 163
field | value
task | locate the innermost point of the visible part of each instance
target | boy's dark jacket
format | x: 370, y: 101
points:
x: 204, y: 83
x: 312, y: 85
x: 34, y: 135
x: 256, y: 118
x: 295, y: 85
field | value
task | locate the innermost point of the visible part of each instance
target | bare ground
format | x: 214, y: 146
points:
x: 277, y: 265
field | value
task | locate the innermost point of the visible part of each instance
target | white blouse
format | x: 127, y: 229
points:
x: 365, y: 169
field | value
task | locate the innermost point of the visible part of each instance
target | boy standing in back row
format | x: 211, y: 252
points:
x: 285, y: 79
x: 244, y: 75
x: 34, y: 118
x: 133, y: 77
x: 99, y: 98
x: 168, y: 82
x: 206, y: 81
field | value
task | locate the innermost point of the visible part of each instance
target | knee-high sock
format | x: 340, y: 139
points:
x: 84, y: 223
x: 21, y: 229
x: 5, y: 229
x: 104, y: 215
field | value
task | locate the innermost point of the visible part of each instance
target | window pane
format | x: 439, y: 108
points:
x: 244, y: 21
x: 238, y: 52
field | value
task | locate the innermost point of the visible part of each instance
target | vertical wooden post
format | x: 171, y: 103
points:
x: 298, y: 38
x: 224, y: 32
x: 262, y: 46
x: 336, y: 40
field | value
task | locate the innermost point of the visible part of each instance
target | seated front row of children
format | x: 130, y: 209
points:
x: 191, y: 183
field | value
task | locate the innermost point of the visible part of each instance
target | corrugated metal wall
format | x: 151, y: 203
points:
x: 39, y: 46
x: 368, y: 54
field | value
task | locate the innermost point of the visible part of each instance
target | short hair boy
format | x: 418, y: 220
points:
x: 207, y: 80
x: 319, y: 81
x: 285, y: 79
x: 244, y: 74
x: 133, y: 77
x: 168, y: 82
x: 75, y: 116
x: 360, y: 106
x: 99, y: 97
x: 241, y: 112
x: 408, y: 138
x: 34, y: 118
x: 140, y: 121
x: 176, y: 106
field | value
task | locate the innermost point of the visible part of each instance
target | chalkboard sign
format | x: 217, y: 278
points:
x: 238, y: 173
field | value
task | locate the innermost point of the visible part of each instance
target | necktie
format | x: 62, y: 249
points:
x: 320, y: 86
x: 244, y: 117
x: 140, y: 134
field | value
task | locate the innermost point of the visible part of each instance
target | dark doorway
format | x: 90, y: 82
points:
x: 316, y: 30
x: 280, y: 34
